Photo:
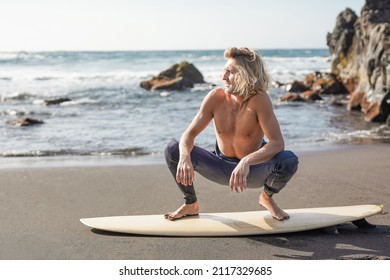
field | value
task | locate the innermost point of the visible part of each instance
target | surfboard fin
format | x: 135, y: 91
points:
x: 362, y: 223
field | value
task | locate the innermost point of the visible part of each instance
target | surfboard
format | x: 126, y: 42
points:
x: 234, y: 223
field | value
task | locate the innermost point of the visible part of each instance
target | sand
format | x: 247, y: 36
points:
x: 40, y: 208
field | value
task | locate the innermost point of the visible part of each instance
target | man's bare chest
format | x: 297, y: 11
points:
x: 237, y: 122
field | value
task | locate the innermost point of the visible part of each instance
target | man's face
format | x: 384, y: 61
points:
x: 229, y: 76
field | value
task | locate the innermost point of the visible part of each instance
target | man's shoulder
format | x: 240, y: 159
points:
x: 258, y: 97
x: 216, y: 93
x: 260, y: 100
x: 213, y: 100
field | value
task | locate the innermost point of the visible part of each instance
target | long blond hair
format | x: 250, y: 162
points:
x: 252, y: 77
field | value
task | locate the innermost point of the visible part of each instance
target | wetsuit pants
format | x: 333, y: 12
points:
x: 272, y: 174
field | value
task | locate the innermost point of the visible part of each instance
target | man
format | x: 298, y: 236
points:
x: 243, y: 114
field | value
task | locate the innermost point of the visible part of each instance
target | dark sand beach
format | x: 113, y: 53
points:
x: 40, y: 210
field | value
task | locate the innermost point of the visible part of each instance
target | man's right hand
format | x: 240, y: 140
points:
x: 185, y: 174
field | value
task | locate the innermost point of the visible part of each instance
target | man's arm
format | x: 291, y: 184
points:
x: 185, y: 171
x: 270, y: 126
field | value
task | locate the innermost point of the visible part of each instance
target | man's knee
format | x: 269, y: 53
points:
x: 289, y: 164
x: 285, y: 169
x: 171, y: 151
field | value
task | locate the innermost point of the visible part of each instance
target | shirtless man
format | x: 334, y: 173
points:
x: 243, y: 114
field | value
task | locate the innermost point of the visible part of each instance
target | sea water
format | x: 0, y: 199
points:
x: 110, y: 115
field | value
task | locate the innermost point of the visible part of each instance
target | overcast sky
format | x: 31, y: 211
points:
x: 36, y: 25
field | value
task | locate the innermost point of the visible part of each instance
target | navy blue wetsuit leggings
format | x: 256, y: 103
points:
x: 272, y: 174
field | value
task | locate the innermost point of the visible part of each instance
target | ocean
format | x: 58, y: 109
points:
x: 109, y: 116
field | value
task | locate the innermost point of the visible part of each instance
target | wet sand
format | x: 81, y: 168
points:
x: 40, y: 210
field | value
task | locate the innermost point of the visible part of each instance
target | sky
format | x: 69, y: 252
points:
x: 93, y: 25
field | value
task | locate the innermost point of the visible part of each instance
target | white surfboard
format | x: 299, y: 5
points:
x: 235, y: 223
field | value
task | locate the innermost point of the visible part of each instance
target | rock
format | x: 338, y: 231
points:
x: 312, y: 95
x: 314, y: 86
x: 291, y: 96
x: 25, y: 122
x: 332, y: 85
x: 340, y: 40
x: 57, y: 101
x: 297, y: 86
x: 379, y: 112
x: 308, y: 95
x: 354, y: 103
x: 360, y: 48
x: 177, y: 77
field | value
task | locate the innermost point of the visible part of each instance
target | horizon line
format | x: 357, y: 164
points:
x: 154, y: 50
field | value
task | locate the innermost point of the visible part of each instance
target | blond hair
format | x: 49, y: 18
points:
x: 252, y: 76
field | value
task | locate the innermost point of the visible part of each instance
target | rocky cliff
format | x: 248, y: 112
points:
x: 360, y: 49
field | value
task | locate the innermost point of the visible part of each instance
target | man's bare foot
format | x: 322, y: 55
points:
x: 182, y: 211
x: 269, y: 203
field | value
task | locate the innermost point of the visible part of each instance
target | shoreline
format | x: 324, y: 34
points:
x: 40, y: 210
x: 150, y: 159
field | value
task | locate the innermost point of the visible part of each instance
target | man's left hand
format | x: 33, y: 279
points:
x: 238, y: 179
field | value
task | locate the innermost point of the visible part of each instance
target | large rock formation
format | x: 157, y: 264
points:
x: 177, y: 77
x: 360, y: 48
